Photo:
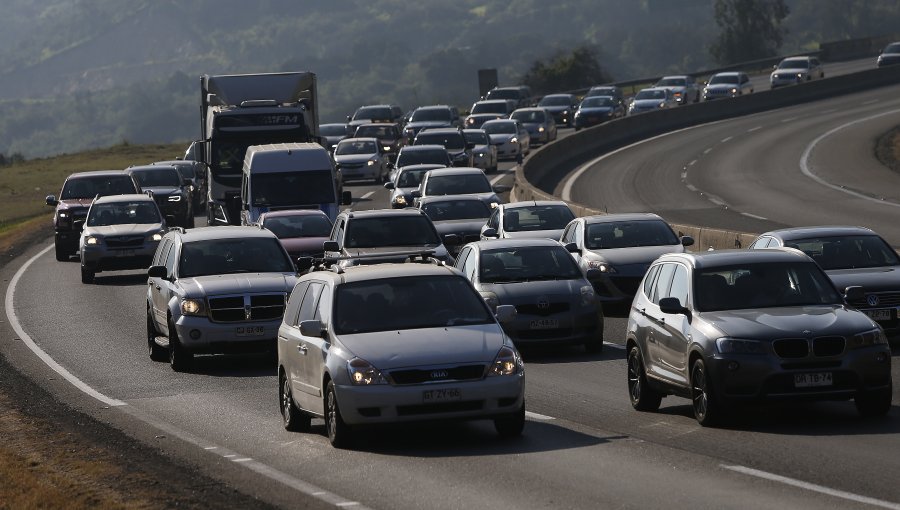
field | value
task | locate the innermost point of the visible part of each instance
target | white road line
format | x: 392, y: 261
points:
x: 499, y: 178
x: 727, y: 138
x: 691, y: 187
x: 367, y: 195
x: 830, y: 110
x: 873, y: 101
x: 539, y: 417
x: 683, y: 175
x: 707, y: 151
x: 29, y: 342
x: 693, y: 162
x: 244, y: 459
x: 754, y: 216
x: 717, y: 201
x: 812, y: 487
x: 614, y: 345
x: 757, y: 128
x: 804, y: 160
x: 789, y: 119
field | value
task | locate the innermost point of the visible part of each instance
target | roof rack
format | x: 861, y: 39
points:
x: 331, y: 263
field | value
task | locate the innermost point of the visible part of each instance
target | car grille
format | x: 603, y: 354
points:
x: 551, y: 309
x: 795, y: 348
x: 828, y: 346
x: 125, y: 242
x: 791, y: 348
x: 884, y: 299
x: 449, y: 407
x: 261, y: 307
x: 422, y: 376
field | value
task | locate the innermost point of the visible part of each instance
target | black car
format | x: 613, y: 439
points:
x: 452, y: 140
x: 562, y: 106
x: 170, y: 190
x: 851, y: 256
x: 426, y: 117
x: 607, y: 90
x: 521, y: 94
x: 194, y: 171
x: 597, y: 110
x: 889, y: 56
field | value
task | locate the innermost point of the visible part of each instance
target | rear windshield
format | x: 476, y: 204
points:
x: 627, y: 234
x: 386, y: 231
x: 230, y: 256
x: 164, y: 177
x: 847, y: 252
x: 531, y: 263
x: 308, y: 225
x: 458, y: 184
x: 142, y: 212
x: 456, y: 210
x: 90, y: 187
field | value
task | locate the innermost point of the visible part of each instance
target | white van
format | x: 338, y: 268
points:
x: 289, y: 176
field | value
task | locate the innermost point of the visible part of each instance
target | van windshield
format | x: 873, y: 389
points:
x: 292, y: 188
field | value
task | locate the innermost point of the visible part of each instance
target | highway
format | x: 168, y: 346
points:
x: 583, y: 445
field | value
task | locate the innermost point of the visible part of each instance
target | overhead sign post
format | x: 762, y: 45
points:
x: 487, y: 79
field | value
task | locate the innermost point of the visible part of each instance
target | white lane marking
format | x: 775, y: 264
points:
x: 789, y: 119
x: 693, y: 162
x: 754, y: 216
x: 571, y: 178
x: 348, y: 503
x: 244, y: 459
x: 614, y: 345
x: 707, y: 151
x: 683, y: 175
x: 367, y: 195
x: 812, y: 487
x: 804, y: 159
x: 757, y: 128
x: 830, y: 110
x: 717, y: 201
x: 29, y: 342
x: 691, y: 187
x: 727, y: 138
x: 499, y: 177
x: 210, y: 447
x: 539, y: 417
x: 872, y: 101
x: 230, y: 456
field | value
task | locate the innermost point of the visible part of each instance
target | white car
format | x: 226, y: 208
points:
x: 730, y: 84
x: 395, y: 343
x: 510, y: 137
x: 796, y: 70
x: 484, y: 154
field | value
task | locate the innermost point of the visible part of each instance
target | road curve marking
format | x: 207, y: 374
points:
x: 539, y: 417
x: 726, y: 139
x: 804, y: 159
x: 872, y: 101
x: 812, y: 487
x: 40, y: 353
x: 367, y: 195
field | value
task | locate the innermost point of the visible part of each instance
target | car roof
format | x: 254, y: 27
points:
x: 95, y: 173
x: 516, y: 242
x: 378, y: 124
x: 362, y: 273
x: 343, y: 124
x: 729, y: 73
x: 133, y: 197
x: 224, y: 232
x: 529, y: 109
x: 382, y: 213
x: 498, y: 121
x: 533, y: 203
x: 448, y: 198
x: 423, y: 147
x: 788, y: 234
x: 558, y: 95
x: 609, y: 218
x: 421, y: 166
x: 474, y: 131
x: 676, y: 76
x: 433, y: 107
x: 494, y: 101
x: 799, y: 57
x: 459, y: 170
x: 720, y: 258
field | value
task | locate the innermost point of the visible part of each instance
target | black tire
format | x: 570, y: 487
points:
x: 180, y: 359
x: 512, y: 424
x: 87, y: 274
x: 595, y: 346
x: 642, y: 396
x: 708, y: 410
x: 62, y: 254
x: 191, y: 220
x: 157, y: 353
x: 339, y: 433
x: 293, y: 419
x: 873, y: 403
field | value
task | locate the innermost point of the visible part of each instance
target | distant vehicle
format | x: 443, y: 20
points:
x: 406, y: 180
x: 459, y: 215
x: 621, y: 246
x: 521, y: 94
x: 562, y: 106
x: 539, y: 122
x: 289, y: 176
x: 554, y: 301
x: 890, y: 55
x: 596, y: 110
x: 196, y: 172
x: 362, y: 158
x: 728, y: 327
x: 300, y: 231
x: 76, y: 196
x: 543, y: 219
x: 395, y: 343
x: 796, y: 70
x: 421, y: 155
x: 169, y: 189
x: 374, y: 113
x: 425, y: 117
x: 649, y: 99
x: 390, y: 136
x: 216, y: 290
x: 452, y: 140
x: 498, y: 106
x: 458, y: 181
x: 476, y: 120
x: 121, y: 232
x: 730, y: 84
x: 484, y: 155
x: 607, y: 90
x: 510, y: 137
x: 850, y: 256
x: 332, y: 134
x: 683, y: 88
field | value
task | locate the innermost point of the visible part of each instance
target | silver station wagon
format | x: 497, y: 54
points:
x: 731, y: 326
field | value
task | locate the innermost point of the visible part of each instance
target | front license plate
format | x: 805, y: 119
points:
x: 883, y: 314
x: 249, y: 331
x: 125, y: 253
x: 544, y: 324
x: 442, y: 395
x: 812, y: 380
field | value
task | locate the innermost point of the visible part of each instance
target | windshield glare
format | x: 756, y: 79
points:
x: 458, y: 184
x: 627, y: 234
x: 296, y: 189
x: 543, y: 217
x: 123, y: 213
x: 763, y: 285
x: 847, y: 252
x: 347, y: 147
x: 387, y: 305
x: 527, y: 264
x: 308, y: 225
x: 90, y: 187
x: 456, y: 210
x: 227, y: 256
x: 385, y: 231
x: 495, y: 128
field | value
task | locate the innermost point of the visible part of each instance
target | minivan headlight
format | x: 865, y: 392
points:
x: 727, y: 345
x: 866, y: 338
x: 92, y: 240
x: 362, y: 373
x: 507, y: 362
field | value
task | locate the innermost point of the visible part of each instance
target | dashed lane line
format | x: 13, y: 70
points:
x: 757, y: 128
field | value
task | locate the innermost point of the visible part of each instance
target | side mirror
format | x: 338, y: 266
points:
x: 346, y: 198
x: 52, y: 201
x: 572, y: 248
x: 389, y: 185
x: 854, y: 293
x: 593, y: 274
x: 331, y: 246
x: 506, y: 314
x: 501, y: 188
x: 304, y: 264
x: 348, y: 120
x: 687, y: 241
x: 672, y: 305
x: 489, y: 233
x: 452, y: 240
x: 312, y: 328
x: 157, y: 272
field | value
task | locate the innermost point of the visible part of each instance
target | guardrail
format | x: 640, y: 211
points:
x: 543, y: 170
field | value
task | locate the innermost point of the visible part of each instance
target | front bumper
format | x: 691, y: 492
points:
x: 359, y: 172
x: 508, y: 150
x: 102, y: 258
x: 201, y: 335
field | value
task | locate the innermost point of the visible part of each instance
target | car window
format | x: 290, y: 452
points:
x: 661, y: 288
x: 577, y: 235
x: 471, y: 267
x: 763, y: 285
x: 679, y: 287
x: 626, y: 234
x: 538, y: 217
x: 648, y: 281
x: 293, y: 306
x: 847, y: 252
x: 527, y: 263
x: 762, y: 242
x: 310, y: 302
x: 398, y: 230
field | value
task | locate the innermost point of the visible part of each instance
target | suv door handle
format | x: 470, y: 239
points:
x: 303, y: 349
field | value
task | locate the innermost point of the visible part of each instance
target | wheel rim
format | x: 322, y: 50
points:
x: 285, y: 400
x: 332, y: 419
x: 634, y: 378
x: 701, y: 400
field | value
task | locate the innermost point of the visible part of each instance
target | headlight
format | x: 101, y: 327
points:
x: 587, y: 295
x: 174, y: 198
x: 491, y: 299
x: 602, y: 266
x: 727, y: 345
x: 63, y: 215
x: 507, y: 362
x: 734, y: 91
x: 867, y: 338
x: 662, y: 105
x: 362, y: 373
x: 387, y: 147
x: 514, y: 140
x: 192, y: 307
x: 400, y: 200
x: 800, y: 75
x: 156, y: 237
x: 481, y: 154
x: 92, y: 241
x: 541, y: 129
x: 370, y: 163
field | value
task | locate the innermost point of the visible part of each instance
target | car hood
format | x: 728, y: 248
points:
x: 216, y: 285
x: 871, y: 279
x: 500, y: 138
x: 407, y: 348
x: 297, y: 245
x: 75, y: 203
x: 468, y: 226
x: 723, y: 86
x: 787, y: 322
x: 352, y: 158
x: 124, y: 230
x: 635, y: 255
x: 534, y: 234
x: 519, y: 293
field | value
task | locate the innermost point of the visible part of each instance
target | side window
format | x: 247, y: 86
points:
x: 567, y: 235
x: 661, y: 288
x: 745, y: 78
x: 310, y: 301
x: 578, y: 237
x: 338, y: 234
x: 679, y: 284
x: 648, y: 282
x: 293, y: 306
x: 461, y: 259
x: 323, y: 310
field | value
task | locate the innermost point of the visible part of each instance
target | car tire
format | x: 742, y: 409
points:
x: 87, y: 274
x: 708, y: 409
x: 642, y: 396
x: 594, y: 346
x: 293, y: 418
x: 512, y: 424
x: 62, y: 254
x: 191, y: 221
x: 873, y: 403
x: 157, y: 353
x: 180, y: 359
x: 339, y: 433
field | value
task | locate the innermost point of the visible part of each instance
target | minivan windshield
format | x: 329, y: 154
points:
x: 382, y: 113
x: 292, y: 188
x: 763, y: 285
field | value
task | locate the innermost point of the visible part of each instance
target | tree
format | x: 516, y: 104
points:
x: 578, y: 69
x: 751, y: 29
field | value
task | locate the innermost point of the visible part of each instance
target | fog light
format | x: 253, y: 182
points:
x: 881, y: 357
x: 733, y: 366
x: 195, y: 334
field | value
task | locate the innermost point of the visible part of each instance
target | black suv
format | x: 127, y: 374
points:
x: 78, y: 192
x: 196, y: 172
x: 170, y: 190
x: 452, y: 139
